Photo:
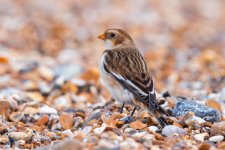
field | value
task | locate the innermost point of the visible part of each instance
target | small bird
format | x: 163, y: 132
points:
x: 126, y: 75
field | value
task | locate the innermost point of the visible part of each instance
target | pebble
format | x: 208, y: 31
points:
x: 127, y: 119
x: 42, y: 120
x: 4, y: 140
x: 100, y: 129
x: 201, y: 137
x: 68, y: 133
x: 20, y: 142
x: 47, y: 110
x: 95, y: 115
x: 193, y: 120
x: 21, y: 135
x: 137, y: 125
x: 216, y: 138
x: 139, y: 135
x: 46, y: 73
x: 67, y: 71
x: 66, y: 120
x: 129, y: 143
x: 40, y: 138
x: 153, y: 128
x: 131, y: 131
x: 16, y: 116
x: 200, y: 110
x: 44, y: 88
x: 68, y: 144
x: 218, y: 128
x: 86, y: 130
x: 30, y: 111
x: 78, y: 122
x: 170, y: 130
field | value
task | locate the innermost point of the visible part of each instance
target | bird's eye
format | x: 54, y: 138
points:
x: 112, y: 35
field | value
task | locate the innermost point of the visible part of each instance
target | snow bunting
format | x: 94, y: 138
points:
x: 125, y: 73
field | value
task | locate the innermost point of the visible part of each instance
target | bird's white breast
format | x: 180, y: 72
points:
x: 116, y: 90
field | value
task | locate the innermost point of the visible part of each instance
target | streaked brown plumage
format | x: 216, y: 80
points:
x: 126, y: 74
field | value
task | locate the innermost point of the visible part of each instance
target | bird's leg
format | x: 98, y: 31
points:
x: 133, y: 111
x: 121, y: 110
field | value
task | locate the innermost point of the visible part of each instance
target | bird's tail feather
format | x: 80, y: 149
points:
x: 157, y: 111
x: 162, y: 121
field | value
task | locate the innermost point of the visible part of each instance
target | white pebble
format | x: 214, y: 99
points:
x: 69, y: 133
x: 153, y: 128
x: 200, y: 137
x: 47, y: 110
x: 100, y: 129
x: 170, y: 130
x: 216, y: 138
x: 86, y: 130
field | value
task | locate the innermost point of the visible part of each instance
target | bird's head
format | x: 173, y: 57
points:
x: 114, y: 38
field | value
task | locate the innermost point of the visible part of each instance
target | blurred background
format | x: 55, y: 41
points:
x: 183, y: 41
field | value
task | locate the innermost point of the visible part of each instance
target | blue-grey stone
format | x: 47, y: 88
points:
x: 200, y: 110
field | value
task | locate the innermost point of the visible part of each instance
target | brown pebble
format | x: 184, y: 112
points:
x: 66, y: 120
x: 43, y: 120
x: 214, y: 104
x: 137, y: 125
x: 218, y: 128
x: 204, y: 146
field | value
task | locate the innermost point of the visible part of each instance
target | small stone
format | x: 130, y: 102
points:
x: 44, y: 88
x: 40, y: 138
x: 170, y: 130
x: 100, y: 129
x: 69, y: 87
x: 216, y: 138
x: 139, y: 135
x: 153, y: 128
x: 21, y: 135
x: 68, y: 133
x: 20, y: 142
x: 86, y: 130
x: 68, y: 144
x: 61, y: 102
x: 67, y: 70
x: 131, y: 131
x: 47, y: 110
x: 4, y: 140
x: 201, y: 137
x: 138, y: 125
x: 204, y: 146
x: 30, y: 111
x: 221, y: 145
x: 127, y: 119
x: 4, y: 105
x: 78, y: 122
x: 30, y: 85
x: 95, y: 115
x: 218, y: 128
x: 193, y: 120
x: 42, y: 120
x: 91, y: 75
x: 46, y: 73
x: 214, y: 104
x: 66, y: 120
x: 185, y: 106
x: 119, y: 124
x: 35, y: 96
x: 16, y: 116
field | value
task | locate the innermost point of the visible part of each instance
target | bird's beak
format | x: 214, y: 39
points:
x: 102, y: 36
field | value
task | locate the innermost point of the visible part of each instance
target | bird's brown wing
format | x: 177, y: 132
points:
x: 129, y: 68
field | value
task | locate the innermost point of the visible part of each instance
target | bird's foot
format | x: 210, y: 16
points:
x: 127, y: 119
